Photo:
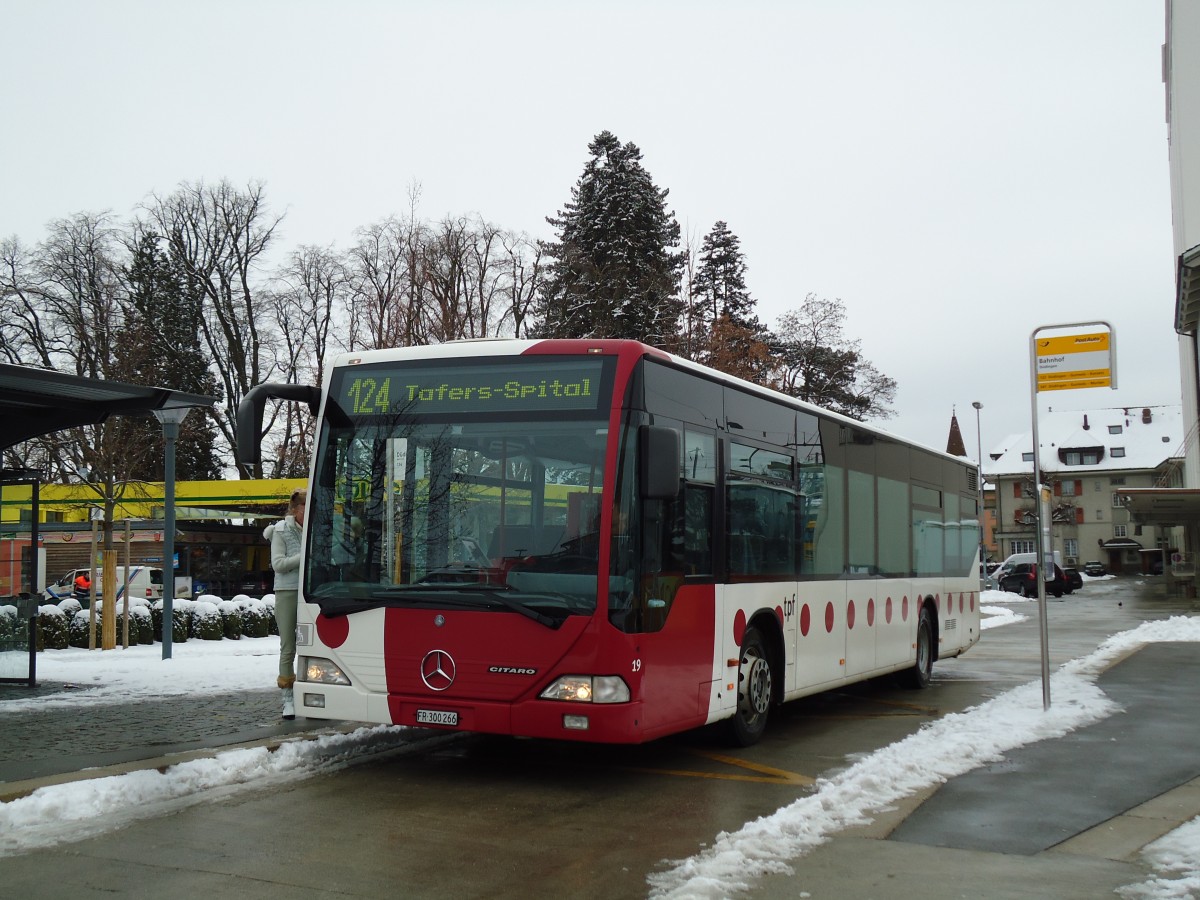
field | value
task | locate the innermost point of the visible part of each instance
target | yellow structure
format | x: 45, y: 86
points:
x: 144, y: 500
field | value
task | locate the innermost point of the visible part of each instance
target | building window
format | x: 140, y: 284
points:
x: 1118, y: 480
x: 1115, y: 429
x: 1117, y: 452
x: 1099, y: 515
x: 1116, y: 501
x: 1024, y: 547
x: 1027, y: 457
x: 1067, y: 489
x: 1099, y: 485
x: 1120, y: 531
x: 1071, y: 546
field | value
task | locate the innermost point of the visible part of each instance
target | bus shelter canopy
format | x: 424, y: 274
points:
x: 1163, y: 507
x: 35, y: 401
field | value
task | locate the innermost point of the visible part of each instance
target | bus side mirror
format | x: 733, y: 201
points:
x: 250, y: 414
x: 659, y: 454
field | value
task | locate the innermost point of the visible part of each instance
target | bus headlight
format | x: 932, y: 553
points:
x: 321, y: 671
x: 588, y: 689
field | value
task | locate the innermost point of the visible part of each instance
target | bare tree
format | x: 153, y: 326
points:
x: 26, y: 333
x: 383, y: 297
x: 218, y: 234
x: 695, y: 337
x: 64, y: 310
x: 79, y: 267
x: 465, y: 273
x: 818, y: 363
x: 523, y: 261
x: 308, y: 295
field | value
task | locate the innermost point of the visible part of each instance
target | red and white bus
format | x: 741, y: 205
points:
x: 599, y: 541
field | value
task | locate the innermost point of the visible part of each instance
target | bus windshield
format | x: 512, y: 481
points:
x: 476, y: 505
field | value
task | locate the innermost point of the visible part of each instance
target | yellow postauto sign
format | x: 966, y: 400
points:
x: 1069, y: 362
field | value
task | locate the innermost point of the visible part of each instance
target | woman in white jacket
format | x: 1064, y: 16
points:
x: 285, y: 537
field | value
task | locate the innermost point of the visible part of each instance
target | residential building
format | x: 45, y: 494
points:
x: 1087, y: 458
x: 1181, y: 76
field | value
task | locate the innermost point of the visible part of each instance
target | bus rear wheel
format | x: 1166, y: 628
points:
x: 922, y: 668
x: 754, y: 691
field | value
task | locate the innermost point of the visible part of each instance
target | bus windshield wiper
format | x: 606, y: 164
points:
x: 490, y: 592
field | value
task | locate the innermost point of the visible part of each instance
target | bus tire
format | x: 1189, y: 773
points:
x: 919, y: 674
x: 755, y: 690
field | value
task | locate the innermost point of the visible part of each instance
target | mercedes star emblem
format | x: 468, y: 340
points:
x: 437, y: 670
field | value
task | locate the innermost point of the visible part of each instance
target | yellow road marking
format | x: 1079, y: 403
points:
x: 767, y: 774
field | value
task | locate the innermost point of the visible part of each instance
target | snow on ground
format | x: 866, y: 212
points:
x: 978, y: 736
x: 140, y: 673
x: 941, y: 750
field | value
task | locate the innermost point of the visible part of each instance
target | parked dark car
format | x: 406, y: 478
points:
x: 1094, y: 568
x: 1022, y: 579
x: 1074, y: 579
x: 257, y: 583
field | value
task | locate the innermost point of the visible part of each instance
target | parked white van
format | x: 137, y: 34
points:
x: 144, y: 582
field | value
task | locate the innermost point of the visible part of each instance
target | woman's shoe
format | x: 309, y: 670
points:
x: 289, y: 704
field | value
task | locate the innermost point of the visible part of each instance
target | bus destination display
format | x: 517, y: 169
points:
x: 517, y: 386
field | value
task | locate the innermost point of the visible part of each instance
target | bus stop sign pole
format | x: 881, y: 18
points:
x: 1066, y: 360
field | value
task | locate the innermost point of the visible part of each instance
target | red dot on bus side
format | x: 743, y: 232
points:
x: 739, y: 627
x: 779, y: 614
x: 850, y: 615
x: 870, y: 612
x: 960, y: 602
x: 887, y: 611
x: 829, y: 618
x: 805, y: 620
x: 333, y: 632
x: 904, y: 608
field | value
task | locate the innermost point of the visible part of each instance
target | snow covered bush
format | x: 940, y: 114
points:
x: 69, y: 606
x: 256, y: 619
x: 53, y: 628
x: 231, y: 619
x: 8, y: 623
x: 269, y: 602
x: 181, y: 620
x: 206, y: 621
x: 78, y: 629
x: 141, y: 626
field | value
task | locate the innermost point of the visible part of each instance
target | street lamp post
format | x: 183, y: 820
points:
x: 979, y: 457
x: 171, y: 419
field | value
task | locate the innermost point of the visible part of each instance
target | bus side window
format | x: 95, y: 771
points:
x: 695, y: 516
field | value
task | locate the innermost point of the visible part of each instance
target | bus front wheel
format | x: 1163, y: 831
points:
x: 922, y: 668
x: 755, y: 689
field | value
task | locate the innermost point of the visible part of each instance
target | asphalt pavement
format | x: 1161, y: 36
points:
x: 1063, y: 818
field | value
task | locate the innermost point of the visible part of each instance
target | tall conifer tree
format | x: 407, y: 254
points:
x: 723, y: 330
x: 161, y: 347
x: 614, y: 272
x: 719, y: 288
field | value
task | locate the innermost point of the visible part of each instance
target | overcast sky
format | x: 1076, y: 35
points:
x: 958, y: 172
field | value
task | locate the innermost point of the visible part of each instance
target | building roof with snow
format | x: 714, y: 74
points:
x: 1093, y: 440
